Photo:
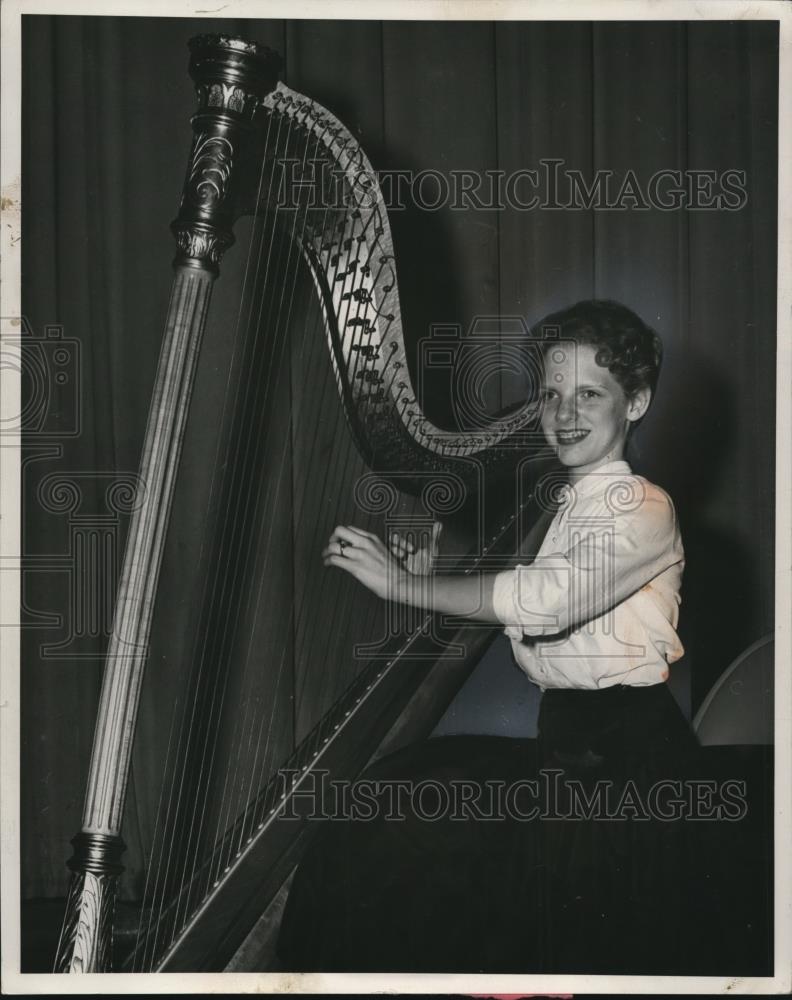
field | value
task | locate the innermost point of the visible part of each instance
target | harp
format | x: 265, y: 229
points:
x: 221, y: 847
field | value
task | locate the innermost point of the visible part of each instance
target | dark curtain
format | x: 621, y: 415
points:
x: 106, y: 103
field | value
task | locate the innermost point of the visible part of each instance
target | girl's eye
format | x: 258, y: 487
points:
x: 589, y: 393
x: 547, y: 394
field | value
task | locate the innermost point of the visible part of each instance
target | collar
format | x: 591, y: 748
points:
x: 595, y: 482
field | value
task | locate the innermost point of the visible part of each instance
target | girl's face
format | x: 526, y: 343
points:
x: 585, y: 412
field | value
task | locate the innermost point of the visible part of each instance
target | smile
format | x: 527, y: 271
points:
x: 570, y: 437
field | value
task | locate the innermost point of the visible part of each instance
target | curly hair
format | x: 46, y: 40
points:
x: 630, y: 350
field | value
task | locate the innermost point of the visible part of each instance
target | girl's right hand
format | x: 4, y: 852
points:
x: 419, y: 561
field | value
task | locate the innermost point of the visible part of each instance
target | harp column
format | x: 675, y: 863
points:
x: 232, y: 77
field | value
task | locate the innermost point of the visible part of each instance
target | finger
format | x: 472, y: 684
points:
x: 361, y: 533
x: 349, y: 553
x: 354, y: 537
x: 336, y: 549
x: 342, y: 562
x: 404, y: 540
x: 437, y: 527
x: 421, y: 563
x: 336, y: 546
x: 341, y: 545
x: 345, y: 534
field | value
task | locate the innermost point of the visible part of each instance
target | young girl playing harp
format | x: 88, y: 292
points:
x: 592, y: 621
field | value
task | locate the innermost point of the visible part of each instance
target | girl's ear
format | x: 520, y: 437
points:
x: 638, y: 403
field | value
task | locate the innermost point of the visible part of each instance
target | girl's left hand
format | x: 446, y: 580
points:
x: 367, y: 559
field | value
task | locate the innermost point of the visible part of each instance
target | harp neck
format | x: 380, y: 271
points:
x: 346, y: 240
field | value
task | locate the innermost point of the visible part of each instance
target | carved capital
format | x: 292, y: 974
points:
x: 232, y: 74
x: 200, y: 244
x: 228, y: 97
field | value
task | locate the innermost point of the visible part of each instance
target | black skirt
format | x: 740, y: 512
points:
x: 596, y: 848
x: 614, y: 728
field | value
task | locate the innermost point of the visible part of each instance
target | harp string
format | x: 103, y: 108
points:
x: 239, y: 808
x: 374, y: 218
x: 356, y: 266
x: 233, y: 802
x: 338, y: 473
x: 322, y: 729
x: 221, y: 637
x: 253, y: 512
x: 336, y: 683
x: 301, y: 631
x: 314, y: 343
x: 236, y: 530
x: 158, y: 816
x: 242, y: 729
x: 258, y: 770
x: 342, y: 680
x: 303, y: 634
x: 156, y: 894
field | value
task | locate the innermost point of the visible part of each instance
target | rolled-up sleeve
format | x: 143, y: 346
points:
x: 605, y: 561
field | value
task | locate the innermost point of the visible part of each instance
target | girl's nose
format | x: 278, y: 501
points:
x: 566, y: 411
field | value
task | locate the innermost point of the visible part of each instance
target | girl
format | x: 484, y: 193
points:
x: 592, y: 621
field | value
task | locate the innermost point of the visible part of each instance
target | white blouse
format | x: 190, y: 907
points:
x: 600, y: 603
